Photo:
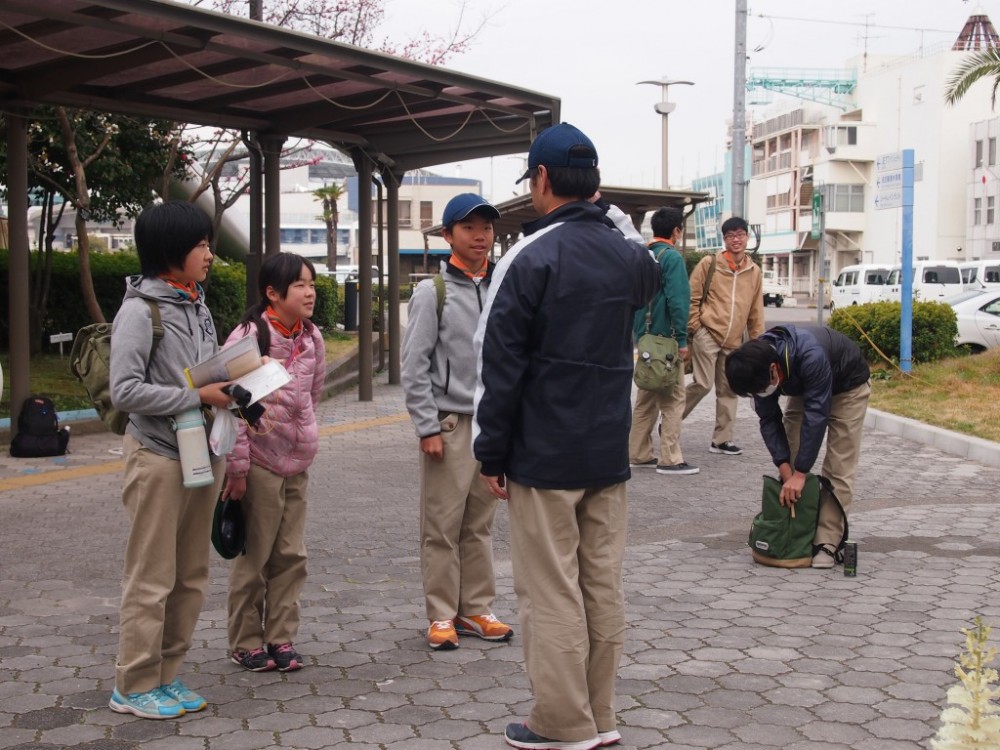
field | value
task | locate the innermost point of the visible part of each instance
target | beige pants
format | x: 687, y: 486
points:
x: 567, y: 548
x: 166, y: 567
x: 708, y: 360
x: 843, y: 449
x: 265, y: 583
x: 456, y: 527
x: 668, y: 405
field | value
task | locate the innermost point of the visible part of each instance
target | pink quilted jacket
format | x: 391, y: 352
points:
x: 287, y: 437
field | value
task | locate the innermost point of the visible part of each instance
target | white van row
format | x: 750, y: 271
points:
x: 932, y: 280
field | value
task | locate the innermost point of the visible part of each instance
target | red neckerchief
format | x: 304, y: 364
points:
x: 288, y: 333
x: 188, y: 291
x: 480, y: 274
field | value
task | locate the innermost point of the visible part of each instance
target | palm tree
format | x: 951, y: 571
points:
x: 328, y: 195
x: 984, y: 63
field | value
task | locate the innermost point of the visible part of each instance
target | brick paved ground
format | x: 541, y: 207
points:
x: 721, y: 653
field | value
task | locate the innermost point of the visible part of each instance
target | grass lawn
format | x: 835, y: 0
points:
x: 961, y: 394
x: 50, y: 375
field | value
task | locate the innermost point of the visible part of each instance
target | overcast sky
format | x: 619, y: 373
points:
x: 591, y: 55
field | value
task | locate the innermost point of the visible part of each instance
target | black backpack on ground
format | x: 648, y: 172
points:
x: 38, y: 432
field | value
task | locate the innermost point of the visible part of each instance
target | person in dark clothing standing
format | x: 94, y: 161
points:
x: 828, y: 384
x: 552, y: 415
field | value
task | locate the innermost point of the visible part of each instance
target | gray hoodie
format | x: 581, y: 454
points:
x: 151, y: 392
x: 438, y: 361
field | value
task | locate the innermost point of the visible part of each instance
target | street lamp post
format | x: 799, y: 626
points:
x: 664, y: 108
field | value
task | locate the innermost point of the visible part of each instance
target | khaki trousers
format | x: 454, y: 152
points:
x: 567, y: 548
x: 166, y: 567
x: 709, y: 364
x: 265, y: 583
x: 456, y: 527
x: 843, y: 449
x: 668, y: 405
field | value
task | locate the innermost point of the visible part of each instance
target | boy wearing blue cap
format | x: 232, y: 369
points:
x: 439, y: 379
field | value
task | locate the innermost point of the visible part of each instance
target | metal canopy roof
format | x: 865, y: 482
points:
x: 636, y: 202
x: 165, y: 60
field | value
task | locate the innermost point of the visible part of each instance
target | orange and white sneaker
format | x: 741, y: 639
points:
x: 441, y: 635
x: 487, y: 627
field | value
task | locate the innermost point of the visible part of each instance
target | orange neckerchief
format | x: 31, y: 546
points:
x: 288, y: 333
x: 729, y: 259
x: 480, y: 274
x: 187, y: 291
x: 661, y: 239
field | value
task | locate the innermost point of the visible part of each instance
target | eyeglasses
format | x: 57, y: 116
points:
x: 729, y: 236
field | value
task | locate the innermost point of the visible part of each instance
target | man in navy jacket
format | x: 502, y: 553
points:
x: 551, y: 431
x: 828, y: 384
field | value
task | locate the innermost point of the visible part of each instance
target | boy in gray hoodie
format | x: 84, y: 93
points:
x: 166, y: 556
x: 439, y: 379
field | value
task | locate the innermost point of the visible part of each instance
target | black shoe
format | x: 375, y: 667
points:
x: 518, y: 735
x: 681, y: 468
x: 728, y: 448
x: 285, y: 656
x: 650, y: 464
x: 255, y: 660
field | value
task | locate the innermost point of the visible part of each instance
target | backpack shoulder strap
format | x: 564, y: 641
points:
x: 154, y: 312
x: 439, y: 288
x: 708, y: 279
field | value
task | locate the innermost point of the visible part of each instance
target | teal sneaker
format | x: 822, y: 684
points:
x: 155, y: 704
x: 188, y: 698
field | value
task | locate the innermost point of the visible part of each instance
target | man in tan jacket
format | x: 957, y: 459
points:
x: 733, y: 307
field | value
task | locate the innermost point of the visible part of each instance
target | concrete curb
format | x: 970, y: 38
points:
x: 985, y: 452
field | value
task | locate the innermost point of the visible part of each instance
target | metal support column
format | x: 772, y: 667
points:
x: 363, y: 165
x: 17, y: 292
x: 271, y: 145
x: 392, y: 183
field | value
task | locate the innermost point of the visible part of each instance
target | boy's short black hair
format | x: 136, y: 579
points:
x: 735, y: 224
x: 166, y: 232
x: 748, y: 369
x: 665, y: 221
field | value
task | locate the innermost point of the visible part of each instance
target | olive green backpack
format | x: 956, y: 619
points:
x: 783, y: 537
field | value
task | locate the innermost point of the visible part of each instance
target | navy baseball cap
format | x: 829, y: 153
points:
x: 464, y: 204
x: 553, y: 146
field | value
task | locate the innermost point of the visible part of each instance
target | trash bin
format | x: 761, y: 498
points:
x: 351, y: 305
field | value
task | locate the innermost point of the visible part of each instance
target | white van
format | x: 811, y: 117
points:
x: 933, y: 280
x: 856, y: 285
x: 980, y: 275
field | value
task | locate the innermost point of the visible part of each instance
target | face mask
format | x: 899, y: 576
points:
x: 767, y: 391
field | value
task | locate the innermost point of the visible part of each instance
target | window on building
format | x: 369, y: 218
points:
x: 846, y: 198
x: 992, y: 152
x: 990, y: 209
x: 977, y: 211
x: 979, y: 154
x: 426, y: 214
x: 405, y: 216
x: 294, y: 236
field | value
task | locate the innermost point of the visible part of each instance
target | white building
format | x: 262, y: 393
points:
x: 831, y: 148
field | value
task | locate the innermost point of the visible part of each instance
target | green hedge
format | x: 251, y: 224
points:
x: 226, y: 293
x: 934, y: 329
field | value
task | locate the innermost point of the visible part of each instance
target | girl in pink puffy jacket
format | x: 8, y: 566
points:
x: 267, y: 470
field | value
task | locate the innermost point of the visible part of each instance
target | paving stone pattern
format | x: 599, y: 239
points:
x: 721, y: 653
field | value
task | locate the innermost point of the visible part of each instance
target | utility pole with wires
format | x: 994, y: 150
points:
x: 739, y: 110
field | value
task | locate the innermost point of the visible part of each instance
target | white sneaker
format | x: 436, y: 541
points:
x: 825, y: 556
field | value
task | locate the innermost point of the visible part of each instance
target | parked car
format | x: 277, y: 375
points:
x: 858, y: 285
x: 980, y: 274
x: 933, y: 281
x: 775, y: 289
x: 978, y: 315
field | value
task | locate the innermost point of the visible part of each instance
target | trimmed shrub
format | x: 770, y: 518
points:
x: 934, y: 329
